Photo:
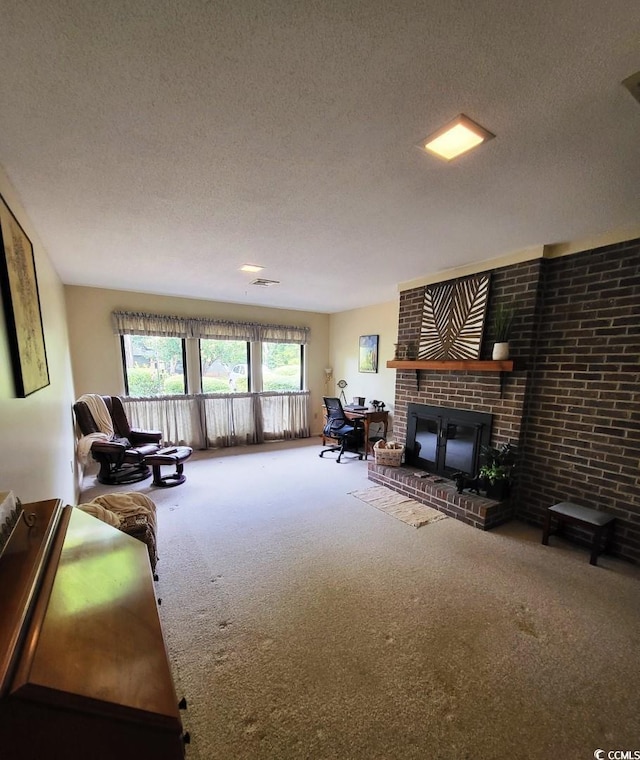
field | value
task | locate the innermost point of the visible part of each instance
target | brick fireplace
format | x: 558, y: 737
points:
x: 502, y: 397
x: 570, y: 404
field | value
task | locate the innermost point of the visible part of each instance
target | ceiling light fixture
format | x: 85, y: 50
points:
x: 251, y: 268
x: 455, y: 138
x: 265, y: 283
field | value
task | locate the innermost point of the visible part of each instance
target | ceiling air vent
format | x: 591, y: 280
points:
x: 265, y: 283
x: 632, y: 84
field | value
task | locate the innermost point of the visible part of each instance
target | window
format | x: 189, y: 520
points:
x: 153, y: 366
x: 234, y: 357
x: 224, y: 365
x: 282, y: 367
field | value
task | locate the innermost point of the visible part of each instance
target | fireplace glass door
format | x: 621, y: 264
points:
x: 426, y: 438
x: 445, y: 441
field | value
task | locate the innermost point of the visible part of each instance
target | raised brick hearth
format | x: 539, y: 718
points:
x: 442, y: 495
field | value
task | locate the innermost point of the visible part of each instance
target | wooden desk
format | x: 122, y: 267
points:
x: 368, y: 416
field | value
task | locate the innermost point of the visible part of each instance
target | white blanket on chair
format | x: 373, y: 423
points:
x: 99, y: 412
x: 102, y: 418
x: 113, y: 508
x: 85, y: 443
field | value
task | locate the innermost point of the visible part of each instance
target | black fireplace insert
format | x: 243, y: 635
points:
x: 446, y: 441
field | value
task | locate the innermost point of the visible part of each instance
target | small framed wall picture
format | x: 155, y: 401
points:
x: 368, y: 353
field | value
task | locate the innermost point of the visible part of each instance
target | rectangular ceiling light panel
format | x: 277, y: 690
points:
x: 455, y: 138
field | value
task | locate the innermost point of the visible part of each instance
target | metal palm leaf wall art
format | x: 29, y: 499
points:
x: 453, y: 319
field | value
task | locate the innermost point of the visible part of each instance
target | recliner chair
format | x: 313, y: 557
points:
x: 350, y: 435
x: 121, y: 458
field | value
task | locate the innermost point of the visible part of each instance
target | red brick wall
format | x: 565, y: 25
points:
x: 581, y: 438
x: 573, y: 402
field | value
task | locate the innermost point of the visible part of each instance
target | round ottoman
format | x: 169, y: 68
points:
x: 172, y: 456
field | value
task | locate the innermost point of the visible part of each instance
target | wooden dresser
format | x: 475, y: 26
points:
x: 83, y: 666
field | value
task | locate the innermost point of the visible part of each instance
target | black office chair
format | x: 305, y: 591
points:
x: 349, y: 434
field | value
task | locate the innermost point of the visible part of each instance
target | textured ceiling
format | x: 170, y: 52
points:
x: 157, y: 146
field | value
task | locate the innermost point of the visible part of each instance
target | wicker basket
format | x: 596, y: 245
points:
x: 388, y: 453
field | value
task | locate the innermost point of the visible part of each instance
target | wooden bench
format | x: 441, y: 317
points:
x: 584, y: 517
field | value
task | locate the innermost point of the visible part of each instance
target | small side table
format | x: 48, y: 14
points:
x: 600, y: 523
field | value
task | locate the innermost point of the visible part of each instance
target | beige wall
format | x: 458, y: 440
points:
x: 345, y: 330
x: 36, y: 433
x: 95, y: 350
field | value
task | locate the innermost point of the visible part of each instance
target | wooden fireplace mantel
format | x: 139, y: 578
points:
x: 457, y: 365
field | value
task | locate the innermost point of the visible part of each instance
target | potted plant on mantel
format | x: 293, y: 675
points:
x: 502, y: 322
x: 497, y: 471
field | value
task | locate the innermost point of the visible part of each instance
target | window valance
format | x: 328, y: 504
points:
x: 137, y: 323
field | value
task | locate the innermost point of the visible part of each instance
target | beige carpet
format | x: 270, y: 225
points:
x: 401, y: 507
x: 304, y: 625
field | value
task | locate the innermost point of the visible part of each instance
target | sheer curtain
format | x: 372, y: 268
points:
x: 221, y: 420
x: 178, y: 417
x: 284, y: 415
x: 230, y: 420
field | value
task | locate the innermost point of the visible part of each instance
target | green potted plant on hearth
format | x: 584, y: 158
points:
x: 497, y: 471
x: 502, y: 323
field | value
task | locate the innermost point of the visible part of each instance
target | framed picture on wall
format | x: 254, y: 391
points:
x: 21, y: 306
x: 368, y: 353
